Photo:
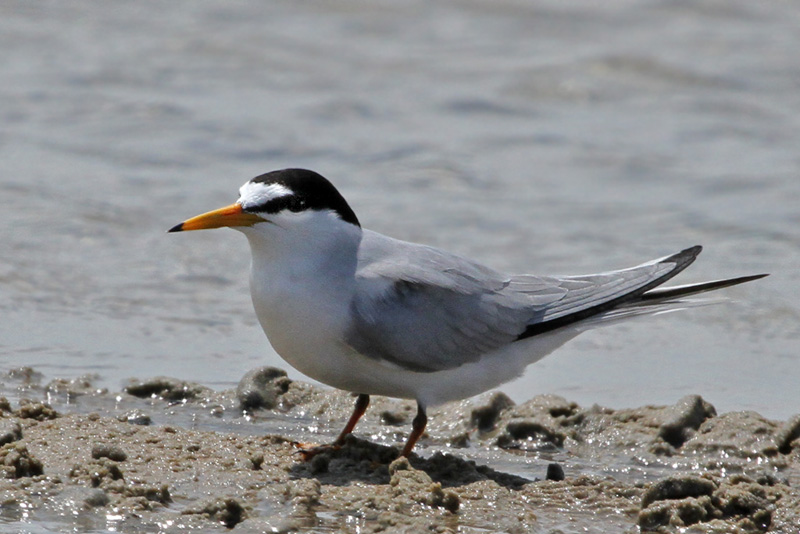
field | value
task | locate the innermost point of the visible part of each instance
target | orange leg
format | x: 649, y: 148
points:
x: 362, y: 402
x: 361, y: 406
x: 417, y: 428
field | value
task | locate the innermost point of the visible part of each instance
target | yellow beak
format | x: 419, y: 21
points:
x: 232, y: 215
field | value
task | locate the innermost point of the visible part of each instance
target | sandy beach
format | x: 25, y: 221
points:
x: 166, y: 455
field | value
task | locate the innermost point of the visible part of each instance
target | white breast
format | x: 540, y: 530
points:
x: 302, y: 282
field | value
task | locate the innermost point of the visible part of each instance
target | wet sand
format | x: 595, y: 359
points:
x: 167, y: 456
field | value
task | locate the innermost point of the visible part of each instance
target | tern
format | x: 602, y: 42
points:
x: 374, y: 315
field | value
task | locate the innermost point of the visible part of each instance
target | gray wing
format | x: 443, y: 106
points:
x: 426, y: 310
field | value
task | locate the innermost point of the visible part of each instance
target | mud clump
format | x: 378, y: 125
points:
x: 17, y: 462
x: 684, y: 419
x: 369, y: 462
x: 531, y: 431
x: 10, y: 431
x: 112, y: 452
x: 543, y: 423
x: 227, y: 510
x: 419, y: 486
x: 86, y: 498
x: 262, y: 388
x: 682, y: 501
x: 485, y: 418
x: 97, y: 473
x: 158, y: 493
x: 70, y: 389
x: 677, y: 488
x: 362, y: 459
x: 169, y: 389
x: 735, y: 435
x: 39, y: 411
x: 136, y: 417
x: 786, y: 438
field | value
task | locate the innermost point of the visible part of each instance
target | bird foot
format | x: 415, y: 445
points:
x: 307, y: 451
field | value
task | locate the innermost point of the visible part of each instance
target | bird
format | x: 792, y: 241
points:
x: 373, y: 315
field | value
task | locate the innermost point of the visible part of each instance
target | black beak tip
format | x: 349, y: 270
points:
x: 176, y: 228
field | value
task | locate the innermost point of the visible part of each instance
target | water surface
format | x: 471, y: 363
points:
x: 533, y: 136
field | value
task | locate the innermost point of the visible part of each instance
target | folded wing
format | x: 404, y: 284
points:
x: 425, y: 310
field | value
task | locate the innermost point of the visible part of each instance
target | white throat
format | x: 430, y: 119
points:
x: 305, y: 244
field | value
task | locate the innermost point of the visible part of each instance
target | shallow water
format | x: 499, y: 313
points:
x: 533, y: 136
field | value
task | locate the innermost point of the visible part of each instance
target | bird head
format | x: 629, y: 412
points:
x: 276, y: 197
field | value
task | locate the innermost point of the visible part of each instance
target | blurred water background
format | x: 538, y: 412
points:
x: 535, y: 136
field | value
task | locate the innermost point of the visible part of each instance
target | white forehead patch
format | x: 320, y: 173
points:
x: 257, y: 193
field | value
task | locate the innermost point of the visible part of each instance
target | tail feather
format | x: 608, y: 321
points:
x: 666, y: 299
x: 669, y: 293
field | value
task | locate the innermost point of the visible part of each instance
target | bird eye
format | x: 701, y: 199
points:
x: 296, y: 204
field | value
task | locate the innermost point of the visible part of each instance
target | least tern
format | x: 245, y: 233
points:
x: 373, y: 315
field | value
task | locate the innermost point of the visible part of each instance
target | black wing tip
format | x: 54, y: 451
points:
x: 682, y: 259
x: 176, y: 228
x: 688, y: 253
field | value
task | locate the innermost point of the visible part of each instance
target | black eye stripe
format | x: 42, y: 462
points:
x: 291, y: 202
